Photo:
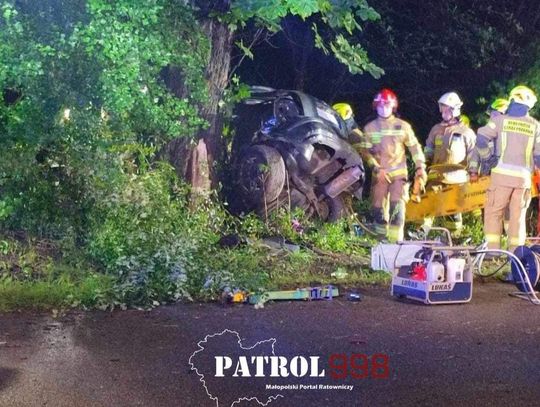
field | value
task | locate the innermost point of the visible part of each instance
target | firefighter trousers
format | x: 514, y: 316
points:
x: 396, y: 192
x: 499, y: 199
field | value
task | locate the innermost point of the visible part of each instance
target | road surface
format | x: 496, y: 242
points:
x: 483, y: 353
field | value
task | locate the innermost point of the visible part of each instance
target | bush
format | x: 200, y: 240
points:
x: 81, y: 81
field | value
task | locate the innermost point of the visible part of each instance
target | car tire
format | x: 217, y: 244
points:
x: 261, y: 175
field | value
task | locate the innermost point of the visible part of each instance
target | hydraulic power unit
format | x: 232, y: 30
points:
x: 436, y: 275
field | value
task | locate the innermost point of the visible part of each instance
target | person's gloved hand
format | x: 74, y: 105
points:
x: 381, y: 174
x: 421, y: 174
x: 473, y: 177
x: 488, y: 164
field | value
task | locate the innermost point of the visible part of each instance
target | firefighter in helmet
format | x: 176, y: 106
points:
x: 449, y: 143
x: 498, y: 107
x: 346, y: 113
x: 485, y: 158
x: 384, y: 146
x: 513, y: 140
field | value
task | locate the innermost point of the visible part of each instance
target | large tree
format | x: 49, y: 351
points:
x: 226, y: 22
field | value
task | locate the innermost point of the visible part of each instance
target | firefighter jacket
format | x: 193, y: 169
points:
x: 450, y: 144
x: 515, y: 143
x: 385, y: 142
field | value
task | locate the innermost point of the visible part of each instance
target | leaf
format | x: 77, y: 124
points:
x: 367, y: 13
x: 304, y: 8
x: 247, y: 52
x: 319, y: 42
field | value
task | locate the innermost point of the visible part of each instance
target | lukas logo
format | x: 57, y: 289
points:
x: 409, y: 283
x: 441, y: 287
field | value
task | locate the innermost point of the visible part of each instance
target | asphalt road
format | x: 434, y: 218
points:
x: 483, y: 353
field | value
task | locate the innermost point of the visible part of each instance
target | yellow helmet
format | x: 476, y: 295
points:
x: 463, y: 118
x: 344, y: 110
x: 499, y: 104
x: 524, y: 95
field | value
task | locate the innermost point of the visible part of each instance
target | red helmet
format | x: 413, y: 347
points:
x: 386, y: 96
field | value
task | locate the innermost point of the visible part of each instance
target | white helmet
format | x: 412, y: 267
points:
x: 452, y: 100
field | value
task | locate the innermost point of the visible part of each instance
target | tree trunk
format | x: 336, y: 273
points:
x: 217, y: 76
x: 198, y: 160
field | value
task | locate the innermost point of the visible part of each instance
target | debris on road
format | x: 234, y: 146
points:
x: 308, y: 294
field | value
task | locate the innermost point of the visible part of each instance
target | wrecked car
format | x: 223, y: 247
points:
x: 291, y: 150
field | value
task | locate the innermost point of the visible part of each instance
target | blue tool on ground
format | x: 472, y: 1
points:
x: 308, y: 294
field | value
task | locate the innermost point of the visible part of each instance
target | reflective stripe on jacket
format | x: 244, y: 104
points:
x: 516, y: 141
x: 441, y: 138
x: 385, y: 144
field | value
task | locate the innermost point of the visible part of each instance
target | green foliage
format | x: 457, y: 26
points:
x: 33, y: 274
x: 87, y: 108
x: 94, y: 290
x: 337, y: 237
x: 142, y: 233
x: 354, y: 56
x: 106, y: 62
x: 83, y: 83
x: 473, y: 227
x: 133, y: 42
x: 334, y: 25
x: 20, y: 262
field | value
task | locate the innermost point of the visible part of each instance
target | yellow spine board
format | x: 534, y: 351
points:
x: 451, y: 199
x: 448, y: 200
x: 460, y: 198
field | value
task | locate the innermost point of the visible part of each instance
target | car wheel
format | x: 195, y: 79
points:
x: 261, y: 175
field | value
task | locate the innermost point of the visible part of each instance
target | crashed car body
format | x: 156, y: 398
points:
x: 291, y: 150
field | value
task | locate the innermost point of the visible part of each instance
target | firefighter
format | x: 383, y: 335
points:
x: 449, y: 142
x: 346, y: 113
x: 513, y: 138
x: 384, y: 149
x: 485, y: 157
x: 497, y: 107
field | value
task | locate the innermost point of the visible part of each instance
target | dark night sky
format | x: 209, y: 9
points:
x: 431, y: 48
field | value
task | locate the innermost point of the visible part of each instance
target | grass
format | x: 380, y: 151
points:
x: 38, y: 276
x: 97, y: 291
x: 305, y: 279
x: 94, y: 290
x: 305, y: 268
x: 64, y: 286
x: 35, y: 276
